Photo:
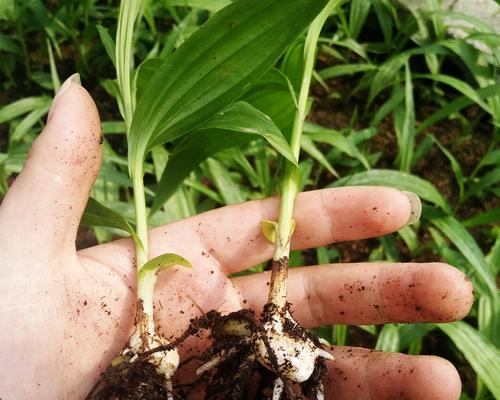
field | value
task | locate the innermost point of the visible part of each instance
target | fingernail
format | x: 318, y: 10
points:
x: 72, y: 80
x: 416, y: 207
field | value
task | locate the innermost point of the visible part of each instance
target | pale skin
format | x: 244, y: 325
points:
x: 64, y: 315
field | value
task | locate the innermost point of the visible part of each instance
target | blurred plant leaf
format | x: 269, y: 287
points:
x: 481, y: 354
x: 23, y: 106
x: 357, y: 16
x: 107, y: 42
x: 396, y: 338
x: 488, y: 217
x: 406, y: 134
x: 399, y: 180
x: 486, y: 181
x: 345, y: 69
x: 457, y: 105
x: 230, y: 191
x: 310, y: 148
x: 459, y: 85
x: 455, y: 166
x: 466, y: 244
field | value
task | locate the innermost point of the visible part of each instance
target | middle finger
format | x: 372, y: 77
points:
x: 368, y: 293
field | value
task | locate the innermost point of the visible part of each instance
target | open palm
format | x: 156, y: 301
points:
x: 64, y: 315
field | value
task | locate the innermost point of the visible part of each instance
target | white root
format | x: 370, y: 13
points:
x: 320, y: 393
x: 295, y: 356
x: 216, y: 360
x: 278, y: 389
x: 166, y: 362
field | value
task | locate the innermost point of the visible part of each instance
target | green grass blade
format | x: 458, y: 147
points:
x: 214, y: 67
x: 481, y: 354
x: 310, y: 148
x: 396, y: 98
x: 487, y: 217
x: 459, y: 85
x: 27, y: 123
x: 396, y: 338
x: 23, y: 106
x: 107, y: 42
x: 485, y: 182
x: 457, y: 105
x: 466, y: 244
x: 455, y: 166
x: 230, y: 191
x: 357, y: 16
x: 345, y: 69
x: 399, y: 180
x: 406, y: 139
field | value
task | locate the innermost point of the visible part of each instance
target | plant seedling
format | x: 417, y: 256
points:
x: 276, y: 342
x: 190, y: 92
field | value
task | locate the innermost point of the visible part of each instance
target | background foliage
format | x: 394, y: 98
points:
x: 396, y: 102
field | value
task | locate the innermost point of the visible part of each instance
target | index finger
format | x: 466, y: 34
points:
x: 231, y: 236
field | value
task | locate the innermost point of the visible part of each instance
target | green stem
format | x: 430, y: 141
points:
x: 129, y: 11
x: 291, y: 179
x: 144, y: 291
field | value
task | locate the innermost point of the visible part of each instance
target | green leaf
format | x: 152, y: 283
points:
x: 357, y: 16
x: 487, y: 217
x: 144, y: 73
x: 457, y: 105
x: 466, y: 244
x: 396, y: 98
x: 23, y: 106
x: 481, y: 354
x: 335, y: 139
x: 406, y: 137
x: 214, y: 67
x: 489, y: 179
x: 274, y: 95
x: 488, y: 318
x: 459, y: 85
x: 396, y: 338
x: 210, y: 5
x: 28, y: 122
x: 96, y: 214
x: 345, y: 69
x: 108, y: 43
x: 230, y: 191
x: 455, y: 166
x: 242, y: 117
x: 236, y: 126
x: 388, y: 72
x: 399, y: 180
x: 310, y: 148
x: 161, y: 263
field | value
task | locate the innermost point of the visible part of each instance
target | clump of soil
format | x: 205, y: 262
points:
x: 134, y: 376
x: 131, y: 380
x: 233, y: 370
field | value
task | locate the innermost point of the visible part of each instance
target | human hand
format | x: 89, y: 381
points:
x: 65, y: 314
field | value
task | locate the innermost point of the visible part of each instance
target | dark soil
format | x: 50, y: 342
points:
x: 240, y: 376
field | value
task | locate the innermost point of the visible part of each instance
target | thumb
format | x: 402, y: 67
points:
x: 42, y: 210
